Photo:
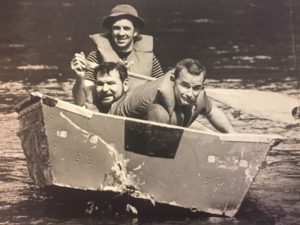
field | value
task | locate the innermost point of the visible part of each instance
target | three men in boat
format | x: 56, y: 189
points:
x: 176, y: 98
x: 122, y: 44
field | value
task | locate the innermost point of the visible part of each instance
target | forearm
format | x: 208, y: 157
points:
x: 219, y: 121
x: 78, y: 92
x: 83, y: 91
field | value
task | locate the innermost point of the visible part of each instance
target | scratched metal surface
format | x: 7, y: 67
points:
x: 100, y: 152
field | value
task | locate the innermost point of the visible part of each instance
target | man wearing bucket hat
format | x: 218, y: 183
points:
x: 122, y: 43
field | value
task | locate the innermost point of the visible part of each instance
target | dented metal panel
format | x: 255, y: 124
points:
x: 182, y: 167
x: 206, y: 174
x: 81, y: 155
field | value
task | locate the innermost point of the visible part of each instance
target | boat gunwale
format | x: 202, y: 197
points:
x: 82, y: 111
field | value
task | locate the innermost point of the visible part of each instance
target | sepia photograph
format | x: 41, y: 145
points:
x: 150, y: 112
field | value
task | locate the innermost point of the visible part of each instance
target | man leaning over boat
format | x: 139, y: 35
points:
x: 123, y: 44
x: 110, y: 86
x: 176, y: 98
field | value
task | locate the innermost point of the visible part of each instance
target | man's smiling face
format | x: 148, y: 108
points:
x: 187, y: 87
x: 123, y: 33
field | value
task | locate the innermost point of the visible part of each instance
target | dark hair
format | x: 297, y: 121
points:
x: 193, y: 66
x: 106, y: 67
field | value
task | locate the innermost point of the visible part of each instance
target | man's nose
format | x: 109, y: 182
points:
x: 105, y: 88
x: 190, y: 93
x: 121, y: 32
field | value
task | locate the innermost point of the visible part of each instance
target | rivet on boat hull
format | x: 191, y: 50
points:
x: 211, y: 159
x: 62, y: 133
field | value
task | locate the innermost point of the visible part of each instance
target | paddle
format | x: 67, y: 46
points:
x: 264, y: 104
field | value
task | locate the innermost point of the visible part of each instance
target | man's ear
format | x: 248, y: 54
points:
x: 172, y: 77
x: 125, y: 85
x: 136, y: 32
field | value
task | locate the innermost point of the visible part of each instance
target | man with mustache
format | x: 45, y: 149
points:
x: 176, y: 98
x: 110, y: 86
x: 123, y: 44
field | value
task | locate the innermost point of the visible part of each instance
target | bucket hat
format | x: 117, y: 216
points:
x: 123, y: 11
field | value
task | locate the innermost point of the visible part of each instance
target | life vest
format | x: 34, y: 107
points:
x: 167, y: 97
x: 160, y: 91
x: 141, y: 55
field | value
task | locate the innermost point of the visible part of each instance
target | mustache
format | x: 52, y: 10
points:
x: 190, y: 99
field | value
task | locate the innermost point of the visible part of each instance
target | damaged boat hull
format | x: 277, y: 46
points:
x: 69, y: 146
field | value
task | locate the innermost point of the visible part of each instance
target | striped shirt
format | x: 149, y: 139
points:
x: 96, y: 57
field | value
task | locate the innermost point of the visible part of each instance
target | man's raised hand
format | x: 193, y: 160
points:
x: 78, y: 64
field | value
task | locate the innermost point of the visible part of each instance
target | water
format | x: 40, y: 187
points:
x: 243, y: 43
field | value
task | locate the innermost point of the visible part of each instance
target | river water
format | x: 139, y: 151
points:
x: 245, y: 44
